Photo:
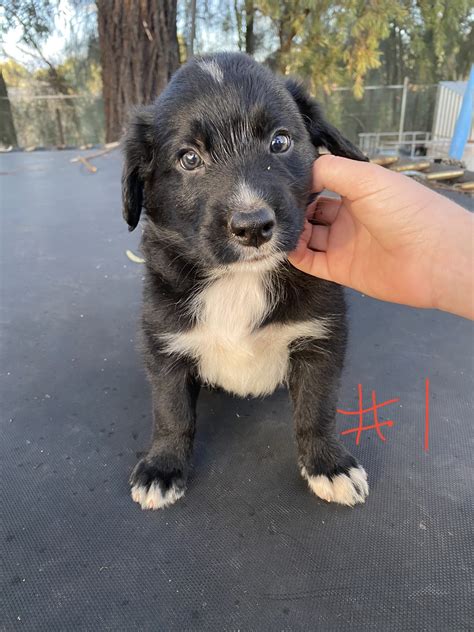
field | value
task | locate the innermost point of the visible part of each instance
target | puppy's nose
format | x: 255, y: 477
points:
x: 253, y: 228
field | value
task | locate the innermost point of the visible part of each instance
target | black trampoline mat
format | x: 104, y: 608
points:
x: 249, y: 547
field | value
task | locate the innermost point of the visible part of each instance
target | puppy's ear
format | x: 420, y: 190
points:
x: 138, y: 152
x: 322, y: 133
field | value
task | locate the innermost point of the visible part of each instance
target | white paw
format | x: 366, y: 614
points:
x: 153, y: 498
x: 346, y: 489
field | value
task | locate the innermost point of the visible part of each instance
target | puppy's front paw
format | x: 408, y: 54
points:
x: 346, y: 485
x: 157, y: 483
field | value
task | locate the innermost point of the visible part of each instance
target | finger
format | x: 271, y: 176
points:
x: 319, y: 238
x: 350, y: 178
x: 308, y: 260
x: 326, y: 210
x: 305, y: 235
x: 310, y: 210
x: 314, y: 263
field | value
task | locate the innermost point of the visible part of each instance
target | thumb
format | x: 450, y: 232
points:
x: 351, y: 179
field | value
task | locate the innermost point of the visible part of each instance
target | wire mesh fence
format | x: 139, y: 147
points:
x: 380, y: 109
x: 75, y: 120
x: 57, y: 120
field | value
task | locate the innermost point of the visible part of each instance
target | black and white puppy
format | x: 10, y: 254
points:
x: 221, y: 163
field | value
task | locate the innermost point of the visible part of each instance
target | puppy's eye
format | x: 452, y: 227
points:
x: 190, y: 160
x: 280, y: 143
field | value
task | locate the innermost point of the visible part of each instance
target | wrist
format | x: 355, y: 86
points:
x: 453, y: 270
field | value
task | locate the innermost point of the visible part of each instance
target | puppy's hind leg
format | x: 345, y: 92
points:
x: 332, y: 473
x: 159, y: 478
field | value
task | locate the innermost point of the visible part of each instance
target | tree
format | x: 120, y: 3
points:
x: 191, y: 27
x: 328, y: 42
x: 430, y: 41
x: 7, y: 126
x: 249, y: 27
x: 244, y: 11
x: 332, y: 42
x: 35, y: 21
x: 139, y: 53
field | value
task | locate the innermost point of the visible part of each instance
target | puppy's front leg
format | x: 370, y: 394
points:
x: 332, y: 473
x: 159, y: 478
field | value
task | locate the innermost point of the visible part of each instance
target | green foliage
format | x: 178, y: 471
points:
x: 348, y: 42
x: 35, y: 21
x: 15, y: 74
x: 36, y: 119
x: 34, y: 17
x: 328, y: 42
x: 431, y: 40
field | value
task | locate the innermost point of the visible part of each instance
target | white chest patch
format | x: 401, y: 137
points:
x: 230, y: 348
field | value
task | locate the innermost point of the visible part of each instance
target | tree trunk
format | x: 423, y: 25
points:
x: 249, y: 32
x: 239, y: 20
x: 192, y: 30
x: 139, y: 53
x: 7, y: 127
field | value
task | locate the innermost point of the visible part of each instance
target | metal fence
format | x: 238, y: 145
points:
x: 57, y: 120
x: 75, y: 120
x: 391, y: 109
x: 406, y: 143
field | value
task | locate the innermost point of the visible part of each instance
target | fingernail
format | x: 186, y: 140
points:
x: 312, y: 197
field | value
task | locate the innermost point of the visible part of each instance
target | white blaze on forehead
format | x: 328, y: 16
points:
x: 247, y: 198
x: 213, y: 68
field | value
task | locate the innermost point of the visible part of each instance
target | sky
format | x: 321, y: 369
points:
x: 210, y: 39
x: 52, y: 48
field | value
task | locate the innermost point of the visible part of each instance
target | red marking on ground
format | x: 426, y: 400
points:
x: 361, y: 411
x: 427, y: 413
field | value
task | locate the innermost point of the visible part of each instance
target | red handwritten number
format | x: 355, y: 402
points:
x: 377, y: 424
x: 427, y: 414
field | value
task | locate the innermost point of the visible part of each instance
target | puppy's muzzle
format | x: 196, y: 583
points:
x: 253, y: 228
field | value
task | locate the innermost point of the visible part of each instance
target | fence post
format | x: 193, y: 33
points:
x: 60, y: 128
x: 464, y: 122
x: 403, y: 110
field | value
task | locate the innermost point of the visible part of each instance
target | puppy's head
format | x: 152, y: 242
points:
x: 221, y: 162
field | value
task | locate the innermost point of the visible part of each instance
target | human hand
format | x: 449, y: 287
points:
x: 389, y: 237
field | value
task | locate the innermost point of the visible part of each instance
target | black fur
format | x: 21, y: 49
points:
x: 186, y: 234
